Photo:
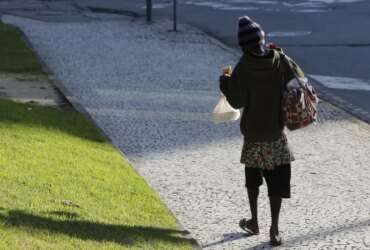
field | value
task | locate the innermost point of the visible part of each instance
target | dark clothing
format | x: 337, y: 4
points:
x: 277, y: 180
x: 255, y: 85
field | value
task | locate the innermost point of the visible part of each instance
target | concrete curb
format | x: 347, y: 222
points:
x: 340, y: 103
x: 92, y: 9
x: 116, y: 12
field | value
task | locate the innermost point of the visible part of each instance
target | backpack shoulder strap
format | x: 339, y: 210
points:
x: 288, y: 65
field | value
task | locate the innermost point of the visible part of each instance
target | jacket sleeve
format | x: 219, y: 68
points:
x: 234, y: 88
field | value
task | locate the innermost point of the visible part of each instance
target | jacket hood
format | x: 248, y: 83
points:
x: 261, y: 63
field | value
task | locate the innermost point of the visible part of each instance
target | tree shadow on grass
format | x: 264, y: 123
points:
x: 68, y: 215
x: 100, y: 232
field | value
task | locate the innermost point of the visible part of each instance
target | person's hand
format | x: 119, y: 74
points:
x: 227, y: 71
x: 271, y: 46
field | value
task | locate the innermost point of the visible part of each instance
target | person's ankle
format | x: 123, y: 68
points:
x: 254, y: 221
x: 274, y: 230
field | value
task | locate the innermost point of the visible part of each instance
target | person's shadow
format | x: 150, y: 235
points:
x: 70, y: 225
x: 227, y: 238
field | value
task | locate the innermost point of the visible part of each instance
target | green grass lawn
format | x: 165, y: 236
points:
x: 63, y: 187
x: 15, y: 56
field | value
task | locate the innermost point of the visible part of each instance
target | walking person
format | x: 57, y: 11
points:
x: 255, y: 85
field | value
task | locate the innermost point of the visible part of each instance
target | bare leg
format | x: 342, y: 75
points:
x: 251, y: 226
x: 253, y: 197
x: 275, y: 204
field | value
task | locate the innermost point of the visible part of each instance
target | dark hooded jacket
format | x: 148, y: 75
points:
x: 255, y: 85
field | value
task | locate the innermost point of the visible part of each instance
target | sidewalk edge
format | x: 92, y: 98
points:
x: 358, y: 114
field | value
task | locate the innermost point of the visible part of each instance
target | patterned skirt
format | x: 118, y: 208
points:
x: 266, y: 155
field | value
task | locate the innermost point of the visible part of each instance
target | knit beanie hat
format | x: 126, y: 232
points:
x: 250, y: 33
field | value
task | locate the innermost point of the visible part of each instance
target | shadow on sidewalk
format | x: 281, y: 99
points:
x: 312, y: 236
x: 227, y: 238
x: 266, y: 245
x: 143, y: 126
x: 86, y: 230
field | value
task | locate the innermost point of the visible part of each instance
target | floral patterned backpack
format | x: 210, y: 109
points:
x: 299, y: 100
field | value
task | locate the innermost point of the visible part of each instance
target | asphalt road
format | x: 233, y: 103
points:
x: 328, y: 38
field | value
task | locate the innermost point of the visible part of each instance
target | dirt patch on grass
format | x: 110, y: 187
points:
x: 31, y: 88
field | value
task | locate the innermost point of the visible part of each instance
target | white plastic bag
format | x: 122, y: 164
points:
x: 223, y: 112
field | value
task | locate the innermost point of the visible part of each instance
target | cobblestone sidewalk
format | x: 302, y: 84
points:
x: 152, y: 92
